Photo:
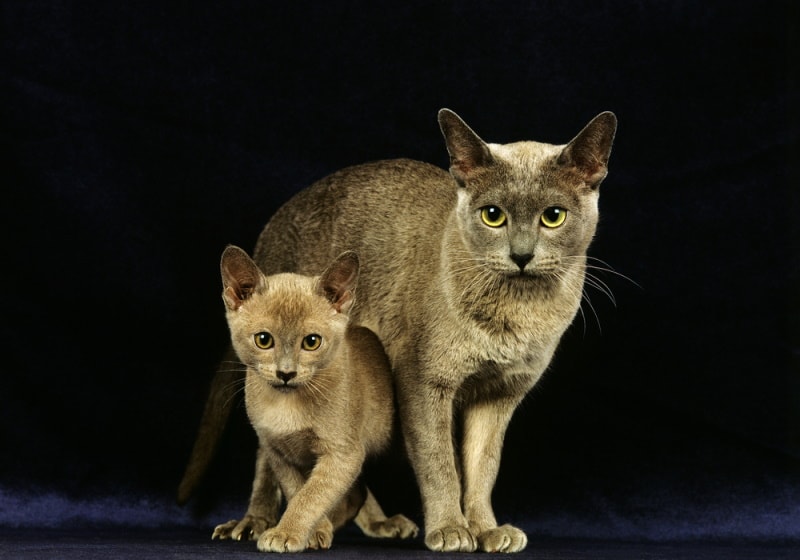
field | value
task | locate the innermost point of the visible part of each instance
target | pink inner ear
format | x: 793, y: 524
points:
x: 232, y: 299
x: 595, y: 174
x: 463, y: 166
x: 342, y: 304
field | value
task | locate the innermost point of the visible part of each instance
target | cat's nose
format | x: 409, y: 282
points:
x: 286, y: 376
x: 521, y: 260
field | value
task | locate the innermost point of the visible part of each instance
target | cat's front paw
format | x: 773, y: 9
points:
x: 249, y: 528
x: 505, y: 538
x: 396, y: 527
x: 278, y: 540
x: 451, y: 539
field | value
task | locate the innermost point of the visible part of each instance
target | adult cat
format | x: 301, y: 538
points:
x: 469, y: 279
x: 318, y: 393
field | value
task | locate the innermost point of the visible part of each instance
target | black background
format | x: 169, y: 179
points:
x: 139, y: 138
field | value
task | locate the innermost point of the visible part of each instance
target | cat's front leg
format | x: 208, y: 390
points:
x: 485, y: 424
x: 262, y: 512
x: 426, y: 413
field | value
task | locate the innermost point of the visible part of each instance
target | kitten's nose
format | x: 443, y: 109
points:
x: 286, y: 376
x: 521, y: 260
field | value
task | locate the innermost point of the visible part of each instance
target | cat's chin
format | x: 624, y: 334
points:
x: 281, y: 388
x: 523, y: 275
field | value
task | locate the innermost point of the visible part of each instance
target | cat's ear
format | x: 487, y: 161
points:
x: 338, y: 282
x: 240, y: 276
x: 589, y: 151
x: 467, y: 151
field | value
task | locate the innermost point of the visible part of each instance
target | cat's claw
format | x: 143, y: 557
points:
x: 505, y: 538
x: 451, y: 539
x: 249, y: 528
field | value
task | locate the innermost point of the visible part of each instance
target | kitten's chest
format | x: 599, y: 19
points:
x: 277, y: 414
x: 301, y: 449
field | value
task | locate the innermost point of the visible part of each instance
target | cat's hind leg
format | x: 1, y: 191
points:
x: 262, y: 512
x: 374, y: 523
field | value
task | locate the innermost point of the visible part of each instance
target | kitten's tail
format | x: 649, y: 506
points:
x: 224, y: 385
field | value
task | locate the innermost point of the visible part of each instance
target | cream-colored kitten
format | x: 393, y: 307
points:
x: 318, y: 393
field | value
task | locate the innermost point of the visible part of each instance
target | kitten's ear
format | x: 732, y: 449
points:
x: 589, y: 151
x: 338, y: 282
x: 467, y: 151
x: 240, y: 276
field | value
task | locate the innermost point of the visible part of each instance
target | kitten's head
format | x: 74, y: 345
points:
x: 286, y: 327
x: 527, y: 210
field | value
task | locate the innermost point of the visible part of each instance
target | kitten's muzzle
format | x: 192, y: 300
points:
x: 284, y: 385
x: 286, y: 376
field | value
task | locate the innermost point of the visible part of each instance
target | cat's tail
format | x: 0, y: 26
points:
x: 221, y: 399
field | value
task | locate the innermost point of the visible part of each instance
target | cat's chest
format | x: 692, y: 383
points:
x: 515, y: 340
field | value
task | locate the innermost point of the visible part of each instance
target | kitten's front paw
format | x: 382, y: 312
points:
x: 396, y: 527
x: 249, y: 528
x: 278, y: 540
x: 505, y: 538
x: 451, y: 539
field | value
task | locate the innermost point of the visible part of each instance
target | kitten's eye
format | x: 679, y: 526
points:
x: 312, y: 342
x: 553, y: 217
x: 264, y: 340
x: 492, y: 216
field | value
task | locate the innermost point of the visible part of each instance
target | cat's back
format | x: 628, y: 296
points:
x: 397, y: 201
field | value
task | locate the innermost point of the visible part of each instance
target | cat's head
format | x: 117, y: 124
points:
x: 286, y: 327
x: 528, y: 209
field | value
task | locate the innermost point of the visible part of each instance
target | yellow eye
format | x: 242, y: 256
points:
x: 492, y: 216
x: 264, y: 340
x: 312, y: 342
x: 553, y: 217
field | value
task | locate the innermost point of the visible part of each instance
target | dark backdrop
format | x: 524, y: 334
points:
x: 139, y: 138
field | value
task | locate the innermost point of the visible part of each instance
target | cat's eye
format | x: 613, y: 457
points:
x: 312, y: 342
x: 492, y: 216
x: 553, y: 217
x: 264, y: 340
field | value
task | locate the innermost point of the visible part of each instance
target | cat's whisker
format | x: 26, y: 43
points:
x: 600, y: 286
x: 604, y: 268
x: 588, y: 301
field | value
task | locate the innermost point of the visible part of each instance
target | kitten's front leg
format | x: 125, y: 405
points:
x: 306, y: 511
x: 485, y: 424
x: 426, y: 413
x: 262, y: 512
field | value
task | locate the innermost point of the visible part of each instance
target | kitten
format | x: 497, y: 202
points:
x: 469, y: 279
x: 318, y: 393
